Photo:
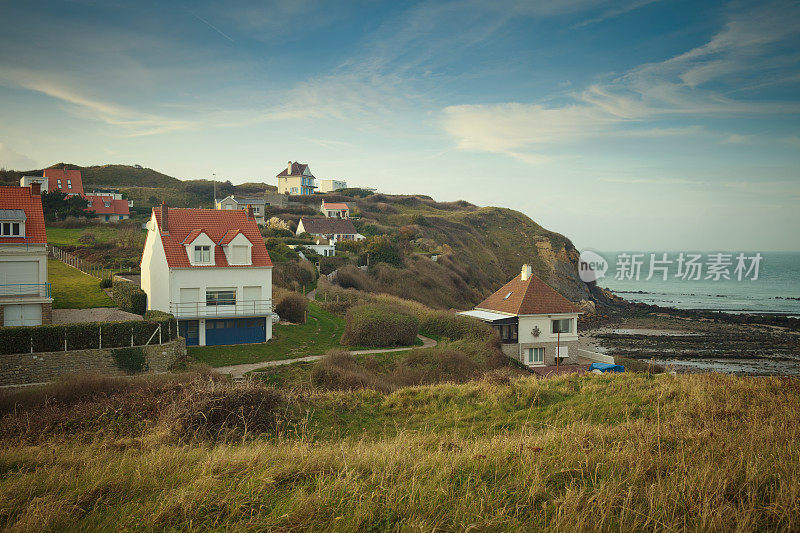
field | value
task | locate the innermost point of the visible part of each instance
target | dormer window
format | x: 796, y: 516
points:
x: 202, y: 254
x: 10, y: 229
x: 107, y: 204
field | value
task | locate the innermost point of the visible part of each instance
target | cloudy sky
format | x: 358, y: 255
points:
x: 628, y: 124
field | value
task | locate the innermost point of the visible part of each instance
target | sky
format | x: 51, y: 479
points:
x: 624, y: 125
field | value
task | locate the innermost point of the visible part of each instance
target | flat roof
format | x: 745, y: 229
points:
x: 486, y: 316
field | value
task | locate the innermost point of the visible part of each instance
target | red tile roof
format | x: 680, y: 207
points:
x: 54, y: 174
x: 214, y: 223
x: 116, y: 207
x: 530, y: 297
x: 297, y: 170
x: 229, y: 236
x: 336, y: 207
x: 21, y: 198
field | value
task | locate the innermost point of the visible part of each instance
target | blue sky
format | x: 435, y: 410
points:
x: 635, y: 124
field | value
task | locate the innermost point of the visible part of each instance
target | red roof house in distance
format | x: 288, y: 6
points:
x: 108, y: 209
x: 210, y: 268
x: 536, y: 324
x: 24, y: 290
x: 66, y: 181
x: 335, y: 210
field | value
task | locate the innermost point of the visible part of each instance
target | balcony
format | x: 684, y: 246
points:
x: 221, y: 308
x: 15, y: 290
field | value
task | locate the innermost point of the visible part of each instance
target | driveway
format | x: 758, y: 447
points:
x: 97, y: 314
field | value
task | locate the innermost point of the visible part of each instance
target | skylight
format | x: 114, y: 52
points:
x: 507, y: 295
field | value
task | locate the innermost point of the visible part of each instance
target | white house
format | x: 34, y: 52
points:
x: 24, y: 291
x: 333, y: 229
x: 211, y: 270
x: 321, y: 246
x: 27, y: 181
x: 536, y: 323
x: 334, y: 210
x: 331, y: 185
x: 295, y: 179
x: 239, y: 202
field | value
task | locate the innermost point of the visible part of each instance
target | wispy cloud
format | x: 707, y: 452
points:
x: 11, y: 159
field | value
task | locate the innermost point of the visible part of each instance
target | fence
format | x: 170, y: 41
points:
x: 94, y: 270
x: 86, y: 336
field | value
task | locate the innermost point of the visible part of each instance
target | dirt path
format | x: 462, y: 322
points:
x: 239, y: 371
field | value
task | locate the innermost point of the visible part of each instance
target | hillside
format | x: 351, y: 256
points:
x: 578, y: 453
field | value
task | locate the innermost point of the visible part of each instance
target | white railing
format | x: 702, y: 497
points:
x: 221, y: 308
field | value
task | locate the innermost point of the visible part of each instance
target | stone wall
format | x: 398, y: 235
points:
x: 47, y: 313
x: 42, y: 367
x: 518, y: 352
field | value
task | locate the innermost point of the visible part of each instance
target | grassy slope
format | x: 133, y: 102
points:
x: 591, y: 453
x: 72, y: 289
x: 69, y: 236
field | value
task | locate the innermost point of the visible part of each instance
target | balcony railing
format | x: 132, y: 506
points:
x: 25, y: 289
x: 221, y: 308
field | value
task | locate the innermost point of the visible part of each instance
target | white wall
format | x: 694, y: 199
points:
x: 155, y: 280
x: 544, y: 323
x: 234, y: 277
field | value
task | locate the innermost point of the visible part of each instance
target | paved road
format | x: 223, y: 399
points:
x: 238, y: 371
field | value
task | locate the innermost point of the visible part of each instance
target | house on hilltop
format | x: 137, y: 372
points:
x: 536, y: 324
x: 108, y: 204
x: 239, y: 202
x: 333, y: 229
x: 211, y: 270
x: 335, y: 210
x: 296, y: 179
x: 331, y: 185
x: 24, y: 291
x: 66, y: 181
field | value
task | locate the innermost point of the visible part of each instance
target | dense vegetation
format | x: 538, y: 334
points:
x: 590, y: 453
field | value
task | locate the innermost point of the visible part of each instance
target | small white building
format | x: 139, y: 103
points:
x: 239, y: 202
x: 331, y: 185
x: 24, y: 291
x: 211, y: 270
x: 296, y: 179
x: 536, y: 324
x: 27, y: 181
x: 333, y: 229
x: 335, y: 209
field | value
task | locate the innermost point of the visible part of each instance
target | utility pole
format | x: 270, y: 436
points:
x: 214, y: 179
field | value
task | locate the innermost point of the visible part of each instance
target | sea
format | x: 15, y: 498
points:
x: 775, y: 290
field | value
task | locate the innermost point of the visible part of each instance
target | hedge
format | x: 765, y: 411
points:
x: 86, y: 336
x: 379, y: 325
x: 129, y: 297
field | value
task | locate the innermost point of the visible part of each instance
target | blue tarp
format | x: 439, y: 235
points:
x: 606, y: 367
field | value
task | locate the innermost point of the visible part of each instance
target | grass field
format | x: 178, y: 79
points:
x: 631, y: 452
x: 319, y: 334
x: 72, y: 289
x: 69, y: 236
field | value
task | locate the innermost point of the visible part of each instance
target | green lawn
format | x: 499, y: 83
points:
x: 321, y: 333
x: 69, y: 236
x: 72, y: 289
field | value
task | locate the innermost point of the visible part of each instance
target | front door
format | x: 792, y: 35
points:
x: 190, y: 330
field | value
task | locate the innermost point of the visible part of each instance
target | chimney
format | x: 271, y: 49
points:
x: 289, y: 167
x: 250, y: 214
x: 526, y: 272
x: 164, y: 218
x: 36, y: 188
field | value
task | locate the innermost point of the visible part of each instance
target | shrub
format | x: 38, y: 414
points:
x: 338, y: 370
x: 292, y: 306
x: 131, y: 360
x: 87, y: 237
x: 106, y: 283
x: 379, y: 325
x: 293, y: 275
x: 382, y: 250
x: 129, y: 297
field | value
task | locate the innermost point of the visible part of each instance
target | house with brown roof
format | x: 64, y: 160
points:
x: 24, y: 291
x: 537, y: 325
x: 210, y: 269
x: 296, y: 179
x: 333, y: 229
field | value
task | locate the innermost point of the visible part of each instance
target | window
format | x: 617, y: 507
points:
x: 239, y: 255
x: 58, y: 182
x: 294, y: 190
x: 535, y: 356
x: 69, y: 184
x: 10, y: 229
x: 202, y: 254
x: 508, y: 333
x: 107, y: 204
x: 562, y: 326
x: 221, y: 297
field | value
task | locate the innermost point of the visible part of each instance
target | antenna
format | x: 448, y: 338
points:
x: 214, y: 179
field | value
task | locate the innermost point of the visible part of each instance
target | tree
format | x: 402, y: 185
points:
x: 382, y: 250
x: 58, y: 206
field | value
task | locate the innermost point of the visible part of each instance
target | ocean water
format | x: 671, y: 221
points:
x: 777, y: 289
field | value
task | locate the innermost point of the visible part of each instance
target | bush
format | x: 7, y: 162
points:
x: 106, y: 283
x: 87, y: 237
x: 292, y: 306
x: 131, y: 360
x: 379, y: 325
x: 338, y: 370
x: 293, y: 275
x: 129, y: 297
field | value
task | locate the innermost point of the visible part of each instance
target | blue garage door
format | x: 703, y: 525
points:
x: 235, y: 331
x: 189, y: 330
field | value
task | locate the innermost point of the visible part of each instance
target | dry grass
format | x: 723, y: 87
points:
x: 590, y: 453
